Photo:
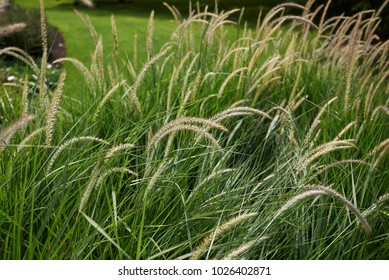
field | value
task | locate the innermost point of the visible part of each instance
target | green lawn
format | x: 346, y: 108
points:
x: 78, y: 41
x: 131, y: 18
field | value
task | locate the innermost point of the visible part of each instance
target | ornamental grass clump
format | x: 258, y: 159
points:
x: 224, y: 141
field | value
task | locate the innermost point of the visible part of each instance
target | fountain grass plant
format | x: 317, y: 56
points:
x: 268, y: 144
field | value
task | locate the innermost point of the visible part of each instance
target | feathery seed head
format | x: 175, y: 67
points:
x: 11, y: 29
x: 133, y: 90
x: 7, y: 133
x: 24, y: 142
x: 114, y: 35
x: 110, y: 171
x: 238, y: 110
x: 208, y: 178
x: 219, y: 230
x: 245, y: 247
x: 154, y: 178
x: 329, y: 191
x: 117, y: 148
x: 70, y: 142
x: 179, y: 127
x: 380, y: 146
x: 380, y: 156
x: 150, y: 34
x: 53, y: 109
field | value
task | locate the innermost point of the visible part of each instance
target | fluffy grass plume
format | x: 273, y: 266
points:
x: 11, y: 29
x: 241, y: 249
x: 7, y: 133
x: 187, y: 124
x: 69, y: 143
x: 53, y: 109
x: 132, y: 92
x: 315, y: 190
x: 220, y: 229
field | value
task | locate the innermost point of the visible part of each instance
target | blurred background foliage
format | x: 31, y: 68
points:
x: 337, y: 7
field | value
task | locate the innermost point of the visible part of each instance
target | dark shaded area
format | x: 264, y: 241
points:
x: 57, y: 49
x: 350, y: 7
x: 30, y: 39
